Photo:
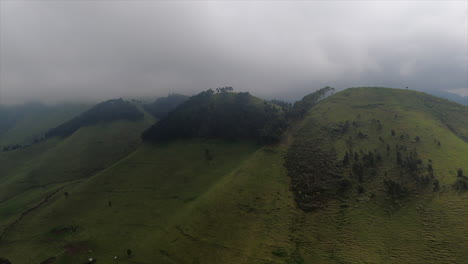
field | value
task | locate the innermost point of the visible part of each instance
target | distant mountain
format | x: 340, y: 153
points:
x: 163, y: 105
x: 108, y: 111
x: 451, y: 96
x: 22, y: 124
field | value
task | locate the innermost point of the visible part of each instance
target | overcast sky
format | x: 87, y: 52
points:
x: 81, y: 50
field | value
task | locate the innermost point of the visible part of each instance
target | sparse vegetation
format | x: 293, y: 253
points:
x: 461, y: 183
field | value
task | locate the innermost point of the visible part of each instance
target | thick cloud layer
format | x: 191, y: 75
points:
x: 77, y: 50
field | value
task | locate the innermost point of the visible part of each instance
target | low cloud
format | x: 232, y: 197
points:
x: 93, y: 50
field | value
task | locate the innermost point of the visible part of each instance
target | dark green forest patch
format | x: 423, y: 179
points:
x: 108, y: 111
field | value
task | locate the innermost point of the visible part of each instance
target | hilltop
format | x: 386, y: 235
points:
x: 25, y: 124
x: 225, y: 115
x: 163, y: 105
x: 332, y: 190
x: 374, y: 140
x: 105, y: 112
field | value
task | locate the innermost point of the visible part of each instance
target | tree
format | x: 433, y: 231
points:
x: 429, y: 168
x: 65, y: 194
x: 346, y: 158
x: 301, y: 107
x: 129, y: 252
x: 436, y: 187
x: 208, y: 155
x: 398, y: 158
x: 379, y: 125
x: 393, y: 132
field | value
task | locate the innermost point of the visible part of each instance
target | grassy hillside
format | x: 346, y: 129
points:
x: 105, y: 112
x: 28, y: 175
x: 22, y: 124
x: 172, y: 203
x: 373, y: 224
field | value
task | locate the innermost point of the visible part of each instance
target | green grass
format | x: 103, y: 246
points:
x: 427, y: 227
x: 29, y: 174
x: 171, y: 205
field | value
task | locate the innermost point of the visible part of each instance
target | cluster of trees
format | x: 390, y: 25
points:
x: 300, y: 108
x: 107, y: 111
x: 224, y: 89
x: 394, y: 189
x: 19, y: 146
x: 316, y: 176
x: 162, y: 106
x: 12, y: 147
x: 222, y: 115
x: 285, y: 106
x: 461, y: 184
x: 363, y: 164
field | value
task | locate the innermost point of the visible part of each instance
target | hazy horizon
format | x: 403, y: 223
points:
x: 55, y: 51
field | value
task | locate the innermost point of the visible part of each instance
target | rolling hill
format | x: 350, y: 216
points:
x: 22, y: 124
x: 209, y: 199
x: 226, y: 115
x: 163, y: 105
x: 30, y: 174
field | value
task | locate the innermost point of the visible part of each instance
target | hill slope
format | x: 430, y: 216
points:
x: 23, y: 123
x: 226, y: 115
x: 171, y: 203
x: 105, y: 112
x: 164, y: 105
x: 28, y: 175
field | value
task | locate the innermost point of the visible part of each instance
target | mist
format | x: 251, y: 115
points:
x: 54, y: 51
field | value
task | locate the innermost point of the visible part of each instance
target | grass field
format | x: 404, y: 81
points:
x: 168, y: 203
x: 27, y: 175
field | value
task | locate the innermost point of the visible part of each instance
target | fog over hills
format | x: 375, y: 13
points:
x: 207, y: 132
x: 99, y: 50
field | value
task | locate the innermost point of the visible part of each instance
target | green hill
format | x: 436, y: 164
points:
x: 29, y: 174
x: 22, y: 124
x: 105, y: 112
x: 163, y: 105
x: 226, y: 115
x: 170, y: 202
